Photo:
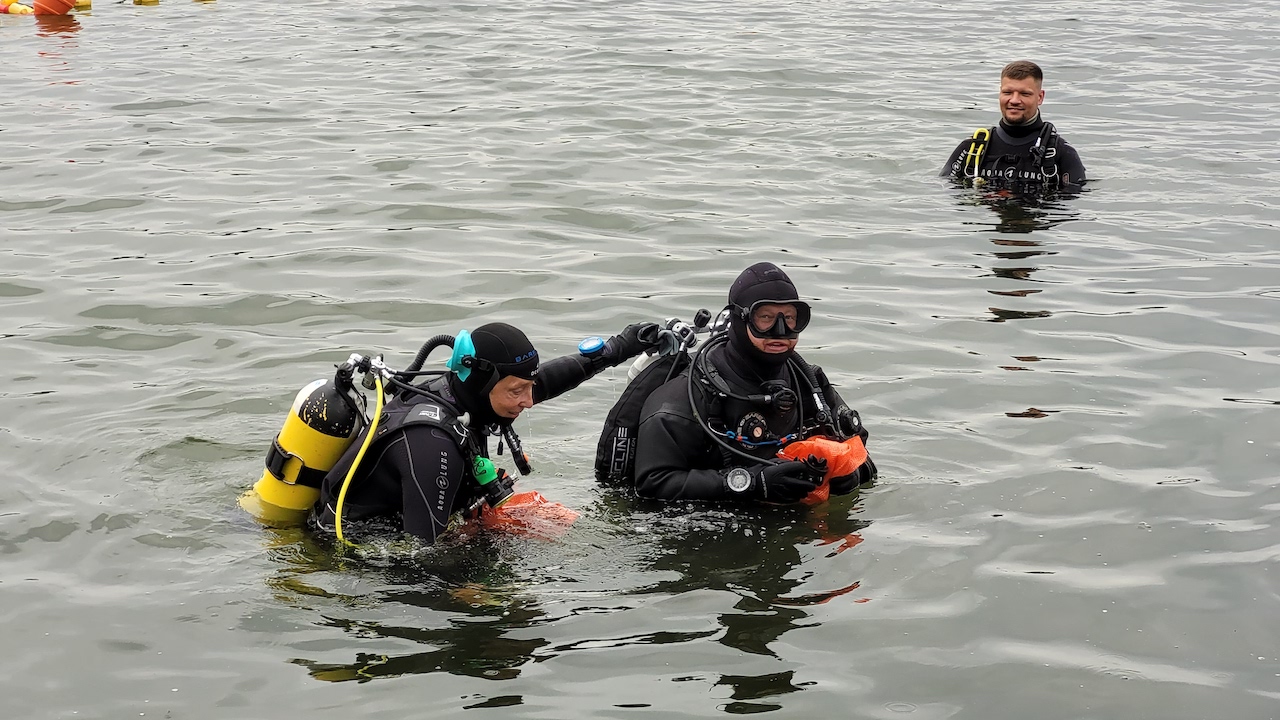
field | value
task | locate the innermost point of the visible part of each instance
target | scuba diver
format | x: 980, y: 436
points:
x: 424, y: 453
x: 713, y: 428
x: 1023, y: 153
x: 424, y: 457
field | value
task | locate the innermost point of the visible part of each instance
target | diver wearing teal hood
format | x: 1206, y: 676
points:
x: 418, y: 470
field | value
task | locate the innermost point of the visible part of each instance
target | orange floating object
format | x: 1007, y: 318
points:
x: 842, y: 459
x: 53, y: 7
x: 529, y: 513
x: 820, y: 598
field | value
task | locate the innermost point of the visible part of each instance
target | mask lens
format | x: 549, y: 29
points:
x: 781, y: 319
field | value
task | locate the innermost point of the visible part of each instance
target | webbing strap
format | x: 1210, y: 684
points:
x: 277, y: 456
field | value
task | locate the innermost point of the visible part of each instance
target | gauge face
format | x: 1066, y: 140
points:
x: 591, y: 345
x: 739, y: 480
x: 752, y: 428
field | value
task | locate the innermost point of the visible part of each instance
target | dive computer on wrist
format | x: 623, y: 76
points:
x: 738, y: 480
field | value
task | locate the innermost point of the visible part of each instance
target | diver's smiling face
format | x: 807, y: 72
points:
x: 772, y: 346
x: 768, y: 318
x: 511, y: 396
x: 1020, y: 99
x: 763, y: 319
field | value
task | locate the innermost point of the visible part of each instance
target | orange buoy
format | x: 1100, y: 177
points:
x: 53, y: 7
x: 842, y: 458
x: 529, y: 513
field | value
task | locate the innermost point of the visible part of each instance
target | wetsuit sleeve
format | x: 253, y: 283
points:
x: 431, y: 470
x: 667, y: 448
x: 951, y: 168
x: 1070, y: 168
x: 562, y: 374
x: 675, y: 459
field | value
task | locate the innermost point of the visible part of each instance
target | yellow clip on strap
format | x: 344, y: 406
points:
x: 977, y: 148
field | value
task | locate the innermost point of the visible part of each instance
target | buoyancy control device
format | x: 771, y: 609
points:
x: 616, y: 449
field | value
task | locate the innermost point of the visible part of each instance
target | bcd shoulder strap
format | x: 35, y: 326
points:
x: 975, y: 152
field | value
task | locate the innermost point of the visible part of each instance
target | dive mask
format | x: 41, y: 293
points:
x: 775, y: 319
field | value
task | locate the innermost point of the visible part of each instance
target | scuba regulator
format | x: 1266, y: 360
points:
x: 497, y: 488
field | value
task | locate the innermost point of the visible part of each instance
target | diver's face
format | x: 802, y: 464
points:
x: 1020, y: 99
x: 764, y: 317
x: 511, y: 396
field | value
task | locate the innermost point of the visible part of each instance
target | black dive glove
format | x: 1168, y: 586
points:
x: 784, y: 482
x: 846, y: 484
x: 633, y: 340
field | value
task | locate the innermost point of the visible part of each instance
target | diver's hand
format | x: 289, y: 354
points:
x: 633, y: 340
x: 846, y: 484
x: 790, y: 481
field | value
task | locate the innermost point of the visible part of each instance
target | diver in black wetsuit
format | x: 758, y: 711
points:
x: 418, y: 470
x: 748, y: 383
x: 1023, y: 152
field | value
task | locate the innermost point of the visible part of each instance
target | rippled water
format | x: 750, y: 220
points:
x: 1073, y: 405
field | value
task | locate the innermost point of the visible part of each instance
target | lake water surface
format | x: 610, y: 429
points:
x: 1074, y: 405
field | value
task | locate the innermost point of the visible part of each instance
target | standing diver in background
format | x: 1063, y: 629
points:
x: 713, y: 432
x: 419, y: 467
x: 1023, y: 152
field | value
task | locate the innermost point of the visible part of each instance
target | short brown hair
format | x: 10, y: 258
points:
x: 1022, y: 69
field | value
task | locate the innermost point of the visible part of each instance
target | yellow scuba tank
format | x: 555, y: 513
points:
x: 322, y: 423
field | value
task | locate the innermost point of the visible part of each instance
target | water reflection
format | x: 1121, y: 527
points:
x: 1019, y: 215
x: 480, y: 593
x: 467, y: 581
x: 1022, y: 214
x: 746, y: 688
x: 56, y: 26
x: 753, y: 553
x: 472, y: 649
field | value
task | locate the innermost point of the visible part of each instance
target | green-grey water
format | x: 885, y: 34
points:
x: 1073, y: 405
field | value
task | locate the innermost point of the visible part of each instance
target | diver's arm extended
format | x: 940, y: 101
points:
x: 562, y: 374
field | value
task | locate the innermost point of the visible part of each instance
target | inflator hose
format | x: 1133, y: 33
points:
x: 426, y: 349
x: 346, y: 482
x: 811, y: 374
x: 699, y: 360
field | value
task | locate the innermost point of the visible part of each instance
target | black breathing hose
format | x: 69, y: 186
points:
x: 426, y: 349
x: 826, y: 416
x: 704, y: 423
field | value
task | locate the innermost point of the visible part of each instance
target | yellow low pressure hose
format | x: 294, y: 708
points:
x: 368, y: 438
